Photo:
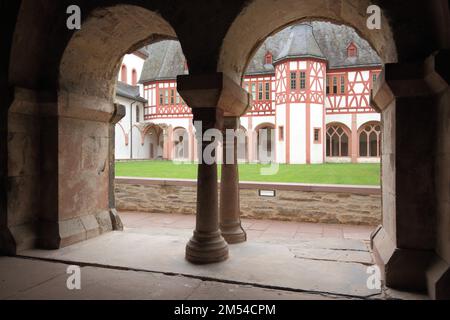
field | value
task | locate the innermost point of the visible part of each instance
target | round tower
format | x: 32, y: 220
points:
x: 300, y: 73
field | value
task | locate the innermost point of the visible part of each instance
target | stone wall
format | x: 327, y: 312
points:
x: 292, y: 202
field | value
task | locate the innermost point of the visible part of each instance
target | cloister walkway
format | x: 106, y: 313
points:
x: 281, y: 260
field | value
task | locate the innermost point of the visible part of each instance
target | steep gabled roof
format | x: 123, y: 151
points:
x: 300, y: 43
x: 323, y: 40
x: 166, y: 61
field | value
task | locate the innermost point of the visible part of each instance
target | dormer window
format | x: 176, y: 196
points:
x: 268, y: 58
x: 352, y: 50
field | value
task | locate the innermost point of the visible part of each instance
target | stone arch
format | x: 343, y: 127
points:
x: 92, y: 57
x: 269, y: 147
x: 181, y: 141
x: 125, y: 134
x: 79, y: 120
x: 259, y: 20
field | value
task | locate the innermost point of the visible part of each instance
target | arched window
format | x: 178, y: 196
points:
x: 338, y: 141
x: 123, y: 74
x: 134, y: 77
x: 370, y: 140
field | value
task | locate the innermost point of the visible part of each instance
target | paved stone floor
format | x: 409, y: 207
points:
x: 281, y: 260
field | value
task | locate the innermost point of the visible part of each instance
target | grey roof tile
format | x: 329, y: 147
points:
x: 127, y: 91
x: 327, y: 41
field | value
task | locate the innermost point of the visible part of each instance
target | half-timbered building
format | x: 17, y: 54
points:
x: 310, y: 86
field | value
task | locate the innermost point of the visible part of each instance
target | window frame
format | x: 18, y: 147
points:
x: 335, y: 126
x: 293, y: 80
x: 362, y: 130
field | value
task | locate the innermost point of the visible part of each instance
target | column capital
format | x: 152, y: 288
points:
x: 118, y: 114
x: 407, y: 79
x: 214, y: 90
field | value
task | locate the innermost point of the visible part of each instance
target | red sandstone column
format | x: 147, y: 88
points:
x: 230, y: 221
x: 207, y: 245
x: 354, y: 137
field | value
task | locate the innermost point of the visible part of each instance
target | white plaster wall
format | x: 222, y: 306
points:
x: 122, y: 151
x: 363, y: 118
x: 260, y: 120
x: 317, y: 122
x: 244, y: 122
x: 280, y: 145
x: 338, y: 159
x: 341, y: 118
x: 298, y: 133
x: 132, y: 61
x: 368, y: 160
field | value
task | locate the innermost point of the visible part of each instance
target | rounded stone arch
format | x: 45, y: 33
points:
x: 259, y: 20
x: 181, y: 143
x: 333, y: 134
x: 93, y: 56
x: 369, y: 139
x: 270, y: 146
x: 79, y: 102
x: 125, y: 134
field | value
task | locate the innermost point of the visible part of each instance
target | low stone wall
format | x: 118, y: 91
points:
x: 292, y: 202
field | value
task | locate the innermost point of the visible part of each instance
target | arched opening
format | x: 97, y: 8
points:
x: 181, y: 144
x: 242, y: 148
x: 338, y: 140
x: 369, y: 135
x: 134, y: 78
x: 124, y: 74
x: 265, y: 142
x: 87, y: 86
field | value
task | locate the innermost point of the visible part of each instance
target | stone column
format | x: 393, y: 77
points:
x: 230, y: 221
x: 438, y: 273
x: 210, y: 96
x: 119, y: 113
x: 404, y: 246
x: 354, y: 142
x: 7, y: 242
x: 207, y: 245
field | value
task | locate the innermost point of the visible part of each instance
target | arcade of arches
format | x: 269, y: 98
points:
x: 58, y: 117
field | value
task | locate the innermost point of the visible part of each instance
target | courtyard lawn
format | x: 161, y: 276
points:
x: 354, y: 174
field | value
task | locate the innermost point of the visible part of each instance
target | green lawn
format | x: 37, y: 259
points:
x: 357, y: 174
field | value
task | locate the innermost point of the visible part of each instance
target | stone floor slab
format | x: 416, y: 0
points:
x: 258, y: 263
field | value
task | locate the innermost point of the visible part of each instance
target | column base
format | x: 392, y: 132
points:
x: 8, y: 245
x: 205, y: 248
x: 116, y: 222
x: 60, y: 234
x: 438, y: 279
x: 233, y: 234
x: 403, y: 269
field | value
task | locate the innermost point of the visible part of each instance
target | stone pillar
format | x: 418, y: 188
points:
x: 354, y: 139
x: 230, y: 221
x: 405, y: 245
x: 119, y: 113
x: 211, y: 96
x: 168, y: 143
x: 207, y: 245
x: 438, y: 274
x: 7, y: 242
